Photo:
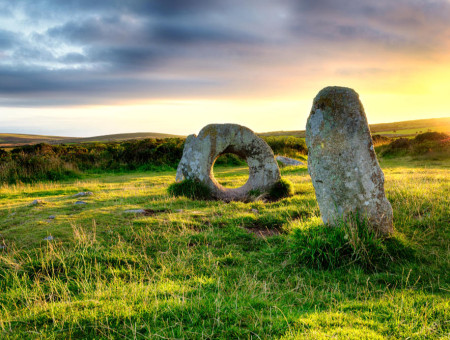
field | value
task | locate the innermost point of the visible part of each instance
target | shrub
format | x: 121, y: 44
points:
x: 350, y: 243
x: 289, y: 146
x: 51, y: 162
x: 431, y: 136
x: 230, y: 159
x: 423, y: 145
x: 281, y: 189
x: 190, y: 188
x: 380, y: 140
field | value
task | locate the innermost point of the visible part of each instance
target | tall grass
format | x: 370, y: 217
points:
x: 42, y: 161
x: 208, y: 269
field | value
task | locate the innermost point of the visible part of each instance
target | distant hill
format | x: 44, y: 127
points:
x: 15, y: 139
x: 397, y: 129
x: 119, y: 137
x: 12, y: 140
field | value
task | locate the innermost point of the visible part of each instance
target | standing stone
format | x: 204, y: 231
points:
x: 342, y: 162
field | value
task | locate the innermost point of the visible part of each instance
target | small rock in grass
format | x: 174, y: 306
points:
x: 135, y: 211
x: 37, y: 202
x: 255, y: 211
x: 179, y: 210
x: 51, y: 217
x: 288, y: 161
x: 80, y: 202
x: 84, y: 193
x: 2, y: 246
x: 49, y: 238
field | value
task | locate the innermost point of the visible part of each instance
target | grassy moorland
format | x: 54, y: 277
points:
x: 15, y: 139
x: 396, y: 129
x: 408, y: 128
x: 30, y: 163
x: 208, y: 269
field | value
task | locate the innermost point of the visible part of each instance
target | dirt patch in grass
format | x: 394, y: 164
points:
x: 151, y: 212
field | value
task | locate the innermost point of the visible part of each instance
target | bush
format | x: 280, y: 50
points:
x: 350, y: 243
x: 230, y: 159
x: 52, y: 162
x: 281, y: 189
x: 191, y: 189
x: 380, y: 140
x: 431, y: 136
x: 423, y: 145
x: 287, y: 145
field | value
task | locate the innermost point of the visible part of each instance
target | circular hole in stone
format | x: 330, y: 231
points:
x: 230, y: 170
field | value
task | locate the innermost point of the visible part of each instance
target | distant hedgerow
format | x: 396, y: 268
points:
x: 423, y: 145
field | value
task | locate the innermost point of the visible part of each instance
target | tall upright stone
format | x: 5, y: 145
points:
x: 342, y: 162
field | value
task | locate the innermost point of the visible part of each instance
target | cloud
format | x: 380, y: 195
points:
x: 82, y: 51
x: 412, y: 24
x: 7, y: 39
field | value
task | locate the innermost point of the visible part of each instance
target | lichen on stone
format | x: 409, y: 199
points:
x: 201, y: 152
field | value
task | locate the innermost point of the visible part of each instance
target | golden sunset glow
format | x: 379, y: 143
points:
x: 259, y: 64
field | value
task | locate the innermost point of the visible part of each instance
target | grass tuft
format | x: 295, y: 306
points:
x: 191, y: 189
x: 281, y: 189
x: 350, y: 243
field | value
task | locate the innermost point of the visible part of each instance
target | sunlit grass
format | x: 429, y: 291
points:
x: 199, y: 269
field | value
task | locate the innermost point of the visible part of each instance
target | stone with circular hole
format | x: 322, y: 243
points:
x: 200, y: 152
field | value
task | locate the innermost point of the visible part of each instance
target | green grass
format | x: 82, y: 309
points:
x: 208, y: 269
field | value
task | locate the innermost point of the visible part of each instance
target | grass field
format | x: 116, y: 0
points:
x: 396, y: 129
x: 11, y: 140
x: 203, y: 270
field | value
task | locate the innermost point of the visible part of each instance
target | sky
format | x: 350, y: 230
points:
x: 84, y: 67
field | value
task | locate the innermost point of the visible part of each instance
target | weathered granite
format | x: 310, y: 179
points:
x: 135, y: 211
x: 84, y: 193
x: 37, y: 202
x: 342, y: 162
x: 288, y: 161
x: 200, y: 152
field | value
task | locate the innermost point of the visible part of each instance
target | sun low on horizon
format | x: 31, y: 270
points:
x: 82, y: 68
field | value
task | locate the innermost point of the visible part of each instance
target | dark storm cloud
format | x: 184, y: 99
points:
x: 400, y: 23
x: 41, y: 87
x: 7, y: 39
x: 77, y: 51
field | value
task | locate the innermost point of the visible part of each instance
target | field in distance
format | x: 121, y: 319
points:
x: 407, y: 128
x: 397, y: 129
x: 15, y: 139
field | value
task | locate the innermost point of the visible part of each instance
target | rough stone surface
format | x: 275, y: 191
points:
x: 288, y: 161
x: 37, y: 202
x: 200, y: 152
x: 342, y: 162
x: 135, y: 211
x: 84, y: 193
